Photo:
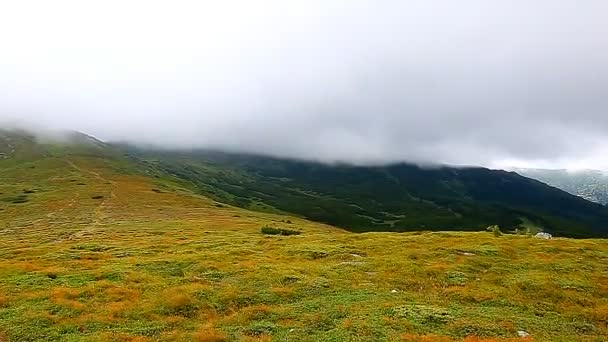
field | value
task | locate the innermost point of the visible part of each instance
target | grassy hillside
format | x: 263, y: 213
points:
x: 392, y: 198
x: 591, y: 185
x: 92, y: 250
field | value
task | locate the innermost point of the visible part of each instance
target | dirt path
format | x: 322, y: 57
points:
x: 98, y: 212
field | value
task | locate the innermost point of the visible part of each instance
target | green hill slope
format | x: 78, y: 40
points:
x: 398, y: 197
x: 96, y: 246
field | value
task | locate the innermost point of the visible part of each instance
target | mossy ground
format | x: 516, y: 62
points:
x: 151, y: 261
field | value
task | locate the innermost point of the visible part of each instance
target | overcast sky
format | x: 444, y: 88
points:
x: 494, y: 83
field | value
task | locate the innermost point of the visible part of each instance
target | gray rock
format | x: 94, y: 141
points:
x: 543, y: 235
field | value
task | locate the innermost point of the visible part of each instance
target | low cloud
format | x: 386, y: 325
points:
x: 468, y: 82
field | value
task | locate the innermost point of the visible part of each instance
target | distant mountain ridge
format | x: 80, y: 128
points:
x: 400, y: 197
x: 591, y: 185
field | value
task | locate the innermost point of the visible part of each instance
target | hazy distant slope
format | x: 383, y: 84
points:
x: 392, y: 198
x: 588, y: 184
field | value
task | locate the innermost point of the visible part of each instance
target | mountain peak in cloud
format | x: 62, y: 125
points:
x: 472, y: 82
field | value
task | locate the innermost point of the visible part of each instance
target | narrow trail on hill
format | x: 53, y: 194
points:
x: 98, y: 212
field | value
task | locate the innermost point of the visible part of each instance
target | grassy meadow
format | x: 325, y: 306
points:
x: 92, y: 252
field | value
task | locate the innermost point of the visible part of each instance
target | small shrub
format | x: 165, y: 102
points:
x: 495, y: 229
x: 455, y: 278
x: 289, y: 279
x: 279, y: 231
x: 270, y: 230
x: 16, y: 199
x: 91, y: 247
x: 97, y: 197
x: 28, y: 191
x: 315, y: 254
x: 176, y: 303
x: 285, y: 231
x: 427, y: 314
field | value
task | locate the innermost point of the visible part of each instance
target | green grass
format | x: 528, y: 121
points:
x: 142, y: 265
x: 321, y: 285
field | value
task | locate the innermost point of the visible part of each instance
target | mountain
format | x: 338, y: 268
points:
x: 591, y: 185
x: 400, y: 197
x: 98, y: 243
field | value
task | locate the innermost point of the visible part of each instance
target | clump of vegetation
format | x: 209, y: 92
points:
x: 178, y: 303
x: 97, y: 197
x: 495, y: 229
x: 427, y: 314
x: 314, y: 254
x: 455, y: 278
x: 28, y: 191
x: 16, y: 199
x: 260, y: 329
x: 158, y: 191
x: 289, y: 279
x: 279, y: 231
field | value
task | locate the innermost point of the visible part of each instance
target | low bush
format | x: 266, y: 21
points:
x: 279, y: 231
x: 426, y: 314
x: 495, y: 229
x: 16, y: 199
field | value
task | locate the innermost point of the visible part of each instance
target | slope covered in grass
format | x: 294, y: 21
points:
x: 100, y: 252
x: 398, y: 197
